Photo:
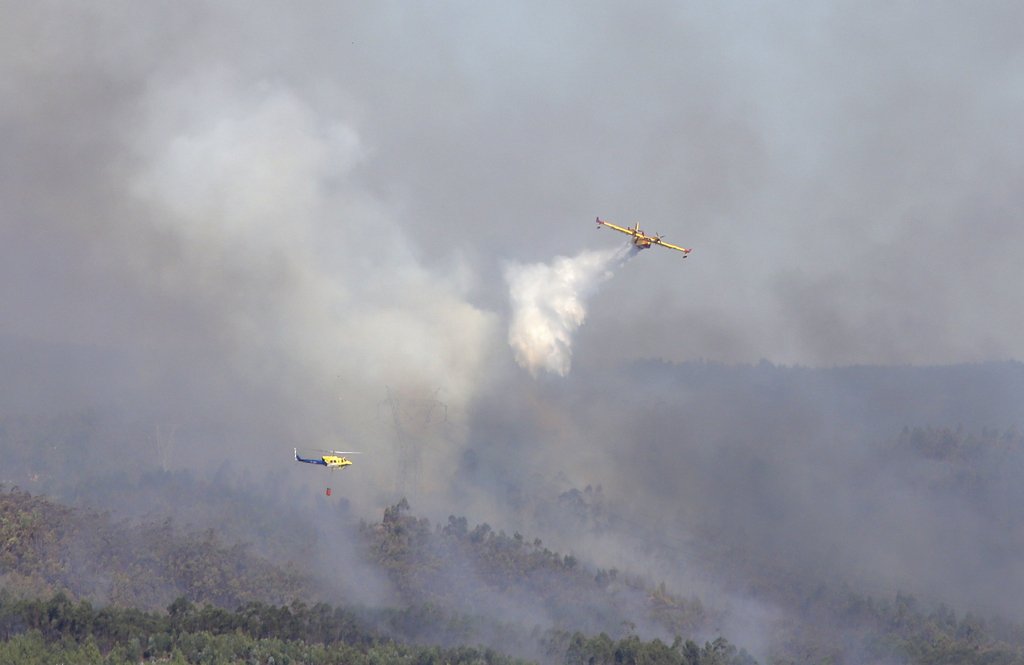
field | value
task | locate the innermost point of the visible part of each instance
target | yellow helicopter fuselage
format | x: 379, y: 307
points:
x: 335, y: 462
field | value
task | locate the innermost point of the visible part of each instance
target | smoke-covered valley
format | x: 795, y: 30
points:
x: 758, y: 489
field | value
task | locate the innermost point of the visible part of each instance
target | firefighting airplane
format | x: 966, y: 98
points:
x: 640, y: 239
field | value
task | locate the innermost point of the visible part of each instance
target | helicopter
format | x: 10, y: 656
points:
x: 333, y: 460
x: 640, y: 239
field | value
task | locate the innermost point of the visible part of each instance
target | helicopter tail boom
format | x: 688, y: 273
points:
x: 308, y: 461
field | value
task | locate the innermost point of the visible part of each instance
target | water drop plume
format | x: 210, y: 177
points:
x: 549, y: 303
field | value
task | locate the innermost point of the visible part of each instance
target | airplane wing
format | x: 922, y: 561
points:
x: 685, y: 251
x: 612, y: 226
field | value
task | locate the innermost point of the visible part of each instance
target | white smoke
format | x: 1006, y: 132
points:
x: 297, y: 282
x: 549, y: 305
x: 251, y: 183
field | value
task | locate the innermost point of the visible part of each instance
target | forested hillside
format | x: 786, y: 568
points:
x: 57, y: 629
x: 832, y: 625
x: 471, y: 569
x: 129, y: 568
x: 49, y: 548
x: 809, y: 528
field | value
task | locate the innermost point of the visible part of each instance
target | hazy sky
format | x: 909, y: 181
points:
x: 845, y: 174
